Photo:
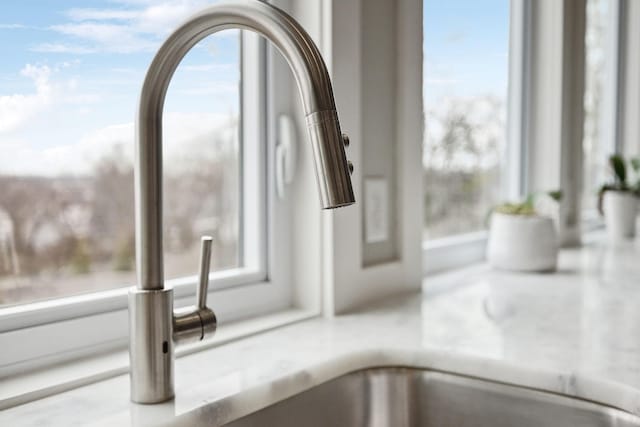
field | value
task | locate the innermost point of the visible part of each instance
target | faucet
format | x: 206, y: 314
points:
x: 154, y: 326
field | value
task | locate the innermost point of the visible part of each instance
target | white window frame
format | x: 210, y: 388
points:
x: 47, y: 332
x: 613, y: 90
x: 613, y: 94
x: 458, y: 250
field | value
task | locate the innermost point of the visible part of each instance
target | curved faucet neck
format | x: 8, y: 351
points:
x: 315, y: 88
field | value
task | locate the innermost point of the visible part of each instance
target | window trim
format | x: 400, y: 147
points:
x: 42, y: 333
x: 611, y: 119
x: 30, y: 386
x: 519, y: 94
x: 60, y: 309
x: 254, y: 225
x: 452, y: 252
x: 56, y: 342
x: 458, y: 250
x: 614, y: 79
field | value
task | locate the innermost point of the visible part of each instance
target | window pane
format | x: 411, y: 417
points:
x: 465, y: 92
x: 69, y: 82
x: 596, y: 149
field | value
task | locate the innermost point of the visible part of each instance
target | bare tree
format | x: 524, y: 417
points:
x: 112, y: 209
x: 464, y: 139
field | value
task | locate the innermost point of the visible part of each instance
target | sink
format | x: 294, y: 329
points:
x: 402, y: 397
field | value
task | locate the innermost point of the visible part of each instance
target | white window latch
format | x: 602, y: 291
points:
x: 286, y: 152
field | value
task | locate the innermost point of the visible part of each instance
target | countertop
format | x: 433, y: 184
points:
x: 575, y: 332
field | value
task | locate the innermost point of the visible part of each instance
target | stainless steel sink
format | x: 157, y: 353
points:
x: 399, y: 397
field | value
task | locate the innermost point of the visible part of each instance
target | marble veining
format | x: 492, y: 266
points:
x: 575, y: 332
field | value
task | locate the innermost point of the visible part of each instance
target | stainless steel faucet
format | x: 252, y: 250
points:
x: 154, y: 325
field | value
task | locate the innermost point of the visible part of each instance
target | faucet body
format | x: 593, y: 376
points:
x: 154, y: 325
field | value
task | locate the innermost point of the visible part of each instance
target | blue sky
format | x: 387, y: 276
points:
x: 71, y: 72
x: 465, y: 46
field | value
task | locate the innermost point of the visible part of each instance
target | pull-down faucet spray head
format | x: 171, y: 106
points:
x: 333, y: 171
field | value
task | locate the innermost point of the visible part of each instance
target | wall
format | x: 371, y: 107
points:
x: 630, y: 92
x: 378, y: 104
x: 375, y: 51
x: 556, y: 106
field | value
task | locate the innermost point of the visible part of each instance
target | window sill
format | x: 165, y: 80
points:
x: 591, y: 221
x: 24, y: 388
x: 31, y: 348
x: 72, y: 307
x: 453, y: 252
x: 450, y: 253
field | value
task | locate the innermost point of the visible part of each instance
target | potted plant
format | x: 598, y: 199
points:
x: 618, y: 201
x: 521, y: 239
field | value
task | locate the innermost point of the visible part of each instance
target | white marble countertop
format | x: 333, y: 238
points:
x: 575, y: 332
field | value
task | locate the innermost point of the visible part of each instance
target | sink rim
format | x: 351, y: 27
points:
x: 481, y: 385
x: 578, y: 385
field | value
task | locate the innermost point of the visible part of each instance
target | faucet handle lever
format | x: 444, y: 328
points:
x: 205, y: 263
x: 194, y: 323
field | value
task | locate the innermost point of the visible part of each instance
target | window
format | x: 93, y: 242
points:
x: 69, y: 85
x: 600, y: 88
x: 465, y: 95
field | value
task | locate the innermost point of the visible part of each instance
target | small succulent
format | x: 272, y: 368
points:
x: 635, y: 165
x: 556, y: 194
x: 618, y: 167
x: 515, y: 209
x: 527, y: 207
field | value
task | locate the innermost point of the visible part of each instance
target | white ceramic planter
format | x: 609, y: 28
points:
x: 620, y: 210
x: 522, y: 243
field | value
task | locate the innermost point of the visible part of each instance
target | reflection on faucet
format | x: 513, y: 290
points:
x: 154, y: 327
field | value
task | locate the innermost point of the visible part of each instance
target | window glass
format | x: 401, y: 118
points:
x: 595, y: 149
x: 69, y: 82
x: 466, y: 43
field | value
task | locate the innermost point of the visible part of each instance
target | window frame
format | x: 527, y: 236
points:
x: 42, y: 333
x: 614, y: 78
x: 612, y: 106
x: 458, y: 250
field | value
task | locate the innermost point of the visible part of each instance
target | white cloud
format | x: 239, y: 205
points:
x: 81, y: 99
x: 185, y: 135
x: 12, y: 26
x: 210, y: 88
x: 61, y: 48
x: 158, y: 19
x: 101, y: 14
x: 26, y: 112
x: 108, y: 37
x: 209, y: 67
x: 40, y: 75
x: 74, y: 158
x: 140, y: 26
x: 16, y: 109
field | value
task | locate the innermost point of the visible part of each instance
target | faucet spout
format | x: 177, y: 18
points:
x: 154, y: 325
x: 332, y: 169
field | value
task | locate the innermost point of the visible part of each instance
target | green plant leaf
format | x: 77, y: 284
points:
x: 525, y: 208
x: 555, y: 195
x: 619, y: 169
x: 604, y: 189
x: 529, y: 202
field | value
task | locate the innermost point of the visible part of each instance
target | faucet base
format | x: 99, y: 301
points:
x: 151, y: 345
